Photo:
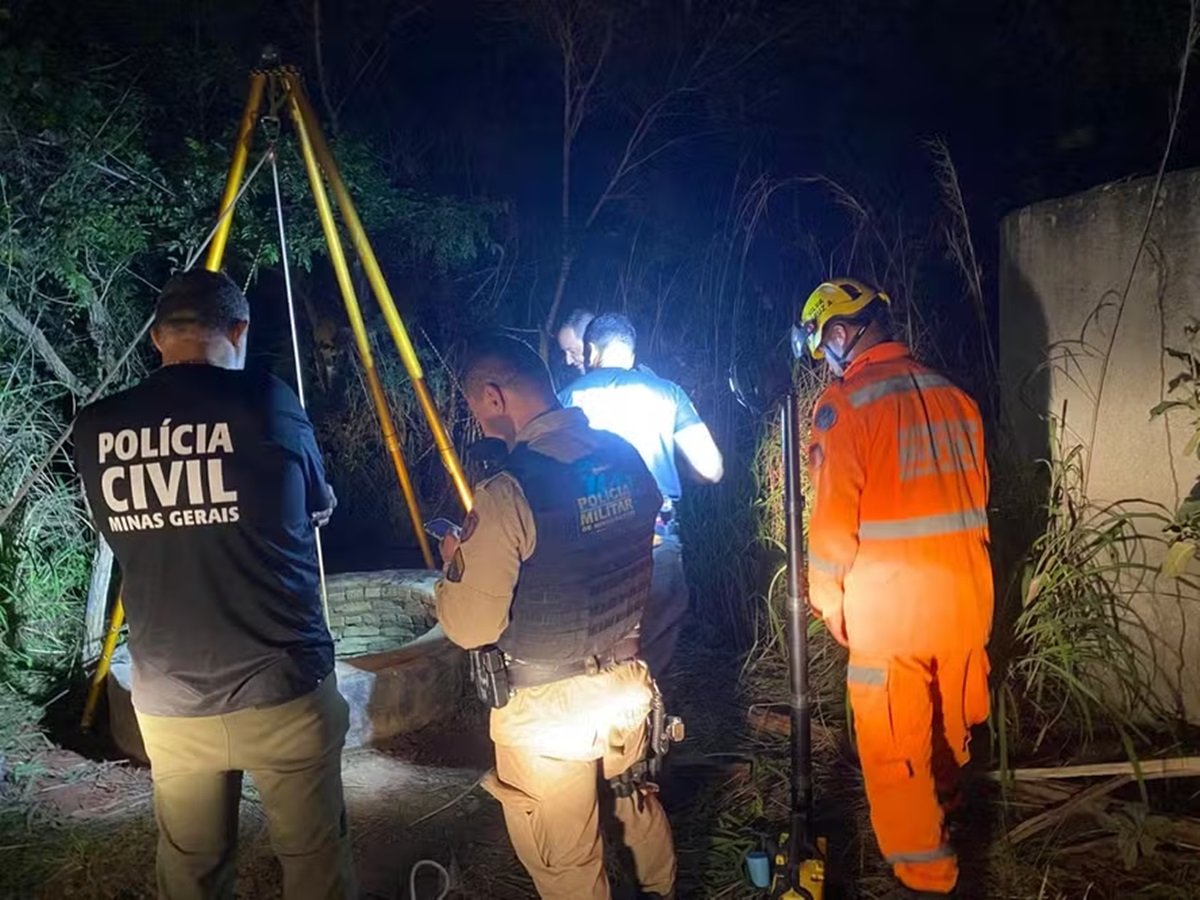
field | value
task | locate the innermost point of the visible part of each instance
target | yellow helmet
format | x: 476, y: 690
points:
x: 839, y: 298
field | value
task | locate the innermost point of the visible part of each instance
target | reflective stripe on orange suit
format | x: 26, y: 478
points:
x: 898, y: 545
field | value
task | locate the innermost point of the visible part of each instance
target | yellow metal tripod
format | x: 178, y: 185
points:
x: 281, y: 88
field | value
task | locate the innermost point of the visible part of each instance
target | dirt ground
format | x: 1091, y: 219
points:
x: 74, y: 827
x: 78, y: 828
x: 88, y: 828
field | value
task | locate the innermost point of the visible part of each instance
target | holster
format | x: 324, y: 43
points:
x: 661, y: 731
x: 489, y: 674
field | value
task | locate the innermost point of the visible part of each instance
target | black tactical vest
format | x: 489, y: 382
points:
x: 585, y: 585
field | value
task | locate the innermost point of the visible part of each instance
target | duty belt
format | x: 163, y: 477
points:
x: 523, y: 674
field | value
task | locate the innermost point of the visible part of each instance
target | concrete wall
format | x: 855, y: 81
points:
x: 372, y: 612
x: 1064, y: 265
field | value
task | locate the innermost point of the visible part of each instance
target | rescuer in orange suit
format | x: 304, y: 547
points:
x: 898, y: 568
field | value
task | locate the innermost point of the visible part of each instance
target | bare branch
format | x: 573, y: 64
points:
x: 582, y: 92
x: 322, y: 76
x: 579, y: 79
x: 584, y: 36
x: 629, y: 162
x: 666, y: 145
x: 37, y: 338
x: 400, y: 17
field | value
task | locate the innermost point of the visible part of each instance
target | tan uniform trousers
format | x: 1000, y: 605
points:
x: 293, y: 753
x: 551, y: 804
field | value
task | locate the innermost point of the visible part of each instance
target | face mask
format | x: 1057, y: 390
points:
x: 837, y: 361
x: 800, y: 340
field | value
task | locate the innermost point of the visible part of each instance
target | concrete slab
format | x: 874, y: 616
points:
x: 1064, y: 265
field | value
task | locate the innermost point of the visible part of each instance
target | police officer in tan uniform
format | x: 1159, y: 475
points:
x: 551, y: 571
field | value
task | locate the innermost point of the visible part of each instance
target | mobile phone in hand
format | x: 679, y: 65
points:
x: 439, y: 528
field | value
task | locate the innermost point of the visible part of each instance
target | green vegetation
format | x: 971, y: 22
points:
x: 1185, y: 527
x: 94, y: 213
x: 77, y: 198
x: 1081, y: 656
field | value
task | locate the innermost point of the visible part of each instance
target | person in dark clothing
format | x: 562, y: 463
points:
x: 658, y: 418
x: 207, y: 482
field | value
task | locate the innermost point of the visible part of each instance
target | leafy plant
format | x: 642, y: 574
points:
x: 1185, y: 529
x: 95, y: 211
x: 1138, y: 832
x: 45, y: 558
x: 1081, y: 663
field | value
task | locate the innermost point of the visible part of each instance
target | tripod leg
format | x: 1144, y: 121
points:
x: 362, y: 245
x: 337, y: 257
x: 103, y: 665
x: 237, y: 168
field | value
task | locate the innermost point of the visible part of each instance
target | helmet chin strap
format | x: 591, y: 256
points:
x: 837, y: 361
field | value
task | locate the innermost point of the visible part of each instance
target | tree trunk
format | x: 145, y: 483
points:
x: 560, y: 289
x: 41, y: 344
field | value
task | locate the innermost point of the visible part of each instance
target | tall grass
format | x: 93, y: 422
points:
x: 45, y: 558
x: 1081, y: 658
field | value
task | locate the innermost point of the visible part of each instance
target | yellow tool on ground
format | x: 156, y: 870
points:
x: 799, y: 881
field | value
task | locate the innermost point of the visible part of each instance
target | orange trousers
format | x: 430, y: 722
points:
x: 912, y: 720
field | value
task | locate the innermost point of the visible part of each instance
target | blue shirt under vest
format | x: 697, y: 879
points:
x: 644, y: 409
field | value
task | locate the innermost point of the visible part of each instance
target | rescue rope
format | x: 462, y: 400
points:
x: 412, y: 878
x: 291, y: 305
x: 445, y: 806
x: 40, y: 468
x: 441, y: 870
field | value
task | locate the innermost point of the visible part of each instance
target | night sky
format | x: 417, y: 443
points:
x: 1035, y: 99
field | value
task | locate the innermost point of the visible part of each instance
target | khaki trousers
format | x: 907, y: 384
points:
x: 552, y: 810
x: 293, y: 752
